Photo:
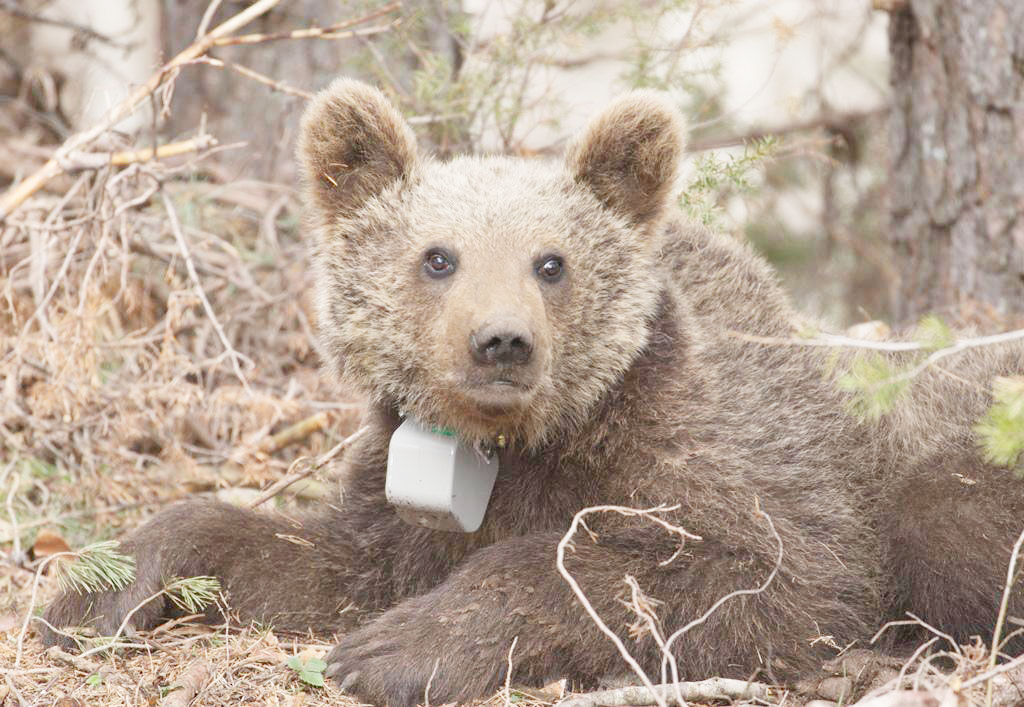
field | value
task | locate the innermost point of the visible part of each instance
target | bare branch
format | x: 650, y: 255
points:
x: 1011, y: 576
x: 293, y: 477
x: 218, y: 36
x: 713, y: 689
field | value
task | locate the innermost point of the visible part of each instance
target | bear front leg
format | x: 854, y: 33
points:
x: 457, y: 636
x: 290, y: 574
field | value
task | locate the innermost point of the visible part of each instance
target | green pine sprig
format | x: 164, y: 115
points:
x: 1001, y: 431
x: 97, y: 567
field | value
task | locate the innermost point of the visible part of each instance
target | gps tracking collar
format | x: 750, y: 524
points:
x: 436, y: 481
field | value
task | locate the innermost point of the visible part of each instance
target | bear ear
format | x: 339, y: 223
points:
x: 352, y: 144
x: 629, y: 155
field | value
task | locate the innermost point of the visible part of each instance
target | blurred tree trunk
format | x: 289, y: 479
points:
x: 957, y: 146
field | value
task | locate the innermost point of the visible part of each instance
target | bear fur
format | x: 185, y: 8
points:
x: 641, y: 382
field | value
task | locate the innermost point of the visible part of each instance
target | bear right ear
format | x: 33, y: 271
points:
x: 352, y: 144
x: 629, y: 155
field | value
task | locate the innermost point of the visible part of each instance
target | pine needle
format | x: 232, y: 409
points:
x: 97, y: 567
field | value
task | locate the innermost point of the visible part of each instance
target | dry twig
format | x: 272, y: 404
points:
x: 229, y: 349
x: 17, y: 194
x: 292, y: 476
x: 713, y: 689
x: 997, y: 635
x: 564, y: 543
x: 188, y: 685
x: 295, y: 433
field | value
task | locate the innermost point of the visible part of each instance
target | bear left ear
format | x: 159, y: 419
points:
x: 629, y: 155
x: 353, y: 143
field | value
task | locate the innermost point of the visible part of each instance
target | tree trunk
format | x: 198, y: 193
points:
x: 957, y: 150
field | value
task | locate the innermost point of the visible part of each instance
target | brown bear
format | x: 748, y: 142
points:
x: 566, y: 309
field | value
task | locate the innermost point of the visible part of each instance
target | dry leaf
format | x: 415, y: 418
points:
x: 49, y: 543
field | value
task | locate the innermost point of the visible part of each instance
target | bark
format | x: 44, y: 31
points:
x: 957, y: 150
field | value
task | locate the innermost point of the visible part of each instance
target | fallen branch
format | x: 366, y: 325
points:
x: 1011, y: 580
x: 293, y: 477
x: 232, y: 353
x: 332, y: 32
x: 17, y: 194
x: 59, y: 655
x: 702, y: 691
x: 77, y: 161
x: 295, y: 433
x: 188, y: 685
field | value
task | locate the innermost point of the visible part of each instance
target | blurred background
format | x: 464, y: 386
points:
x: 518, y: 77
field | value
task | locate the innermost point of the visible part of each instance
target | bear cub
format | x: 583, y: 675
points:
x: 566, y: 307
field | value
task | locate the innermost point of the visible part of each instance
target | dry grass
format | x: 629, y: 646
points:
x: 119, y: 396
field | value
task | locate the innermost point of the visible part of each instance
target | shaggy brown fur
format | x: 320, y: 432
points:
x: 635, y: 393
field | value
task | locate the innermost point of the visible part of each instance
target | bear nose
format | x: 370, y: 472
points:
x: 505, y: 341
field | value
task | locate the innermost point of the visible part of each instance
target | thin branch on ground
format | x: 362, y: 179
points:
x: 292, y: 476
x: 507, y: 690
x: 430, y: 681
x: 188, y: 686
x: 1011, y: 581
x: 731, y: 595
x: 78, y: 161
x: 295, y: 433
x: 33, y: 600
x: 713, y: 689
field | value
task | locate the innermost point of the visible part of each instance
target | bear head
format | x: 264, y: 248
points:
x: 488, y: 295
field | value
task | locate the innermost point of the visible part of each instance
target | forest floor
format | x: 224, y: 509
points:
x: 145, y: 357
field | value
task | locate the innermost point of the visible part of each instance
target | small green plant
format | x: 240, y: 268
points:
x: 94, y: 680
x: 876, y: 381
x: 933, y: 333
x: 874, y: 384
x: 715, y: 177
x: 310, y: 672
x: 97, y: 567
x: 1001, y: 431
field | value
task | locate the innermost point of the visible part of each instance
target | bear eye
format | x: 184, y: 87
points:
x: 551, y: 268
x: 438, y: 263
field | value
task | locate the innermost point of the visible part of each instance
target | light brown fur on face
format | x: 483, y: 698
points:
x: 637, y: 391
x: 497, y: 217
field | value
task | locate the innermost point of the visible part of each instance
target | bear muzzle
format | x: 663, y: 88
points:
x: 506, y: 341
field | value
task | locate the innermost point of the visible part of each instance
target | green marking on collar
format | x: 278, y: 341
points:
x: 446, y: 431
